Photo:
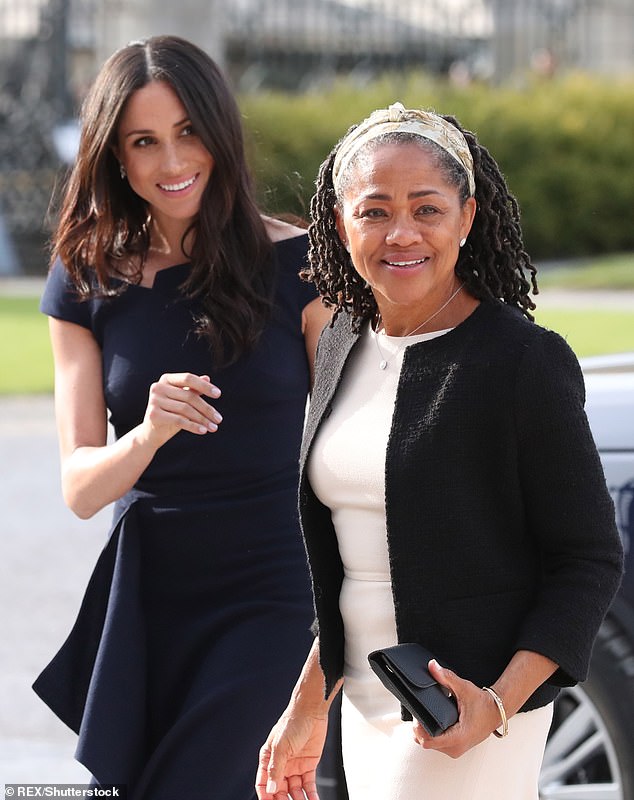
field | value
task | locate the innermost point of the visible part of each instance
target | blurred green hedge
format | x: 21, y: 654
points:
x: 565, y: 146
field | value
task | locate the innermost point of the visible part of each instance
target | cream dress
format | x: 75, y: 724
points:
x: 347, y: 472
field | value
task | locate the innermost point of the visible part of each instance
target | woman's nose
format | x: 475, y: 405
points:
x: 402, y: 233
x: 172, y: 158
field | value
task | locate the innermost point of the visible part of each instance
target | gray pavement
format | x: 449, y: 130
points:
x: 611, y: 300
x: 46, y: 555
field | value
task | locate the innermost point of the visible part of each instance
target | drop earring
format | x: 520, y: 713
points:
x: 122, y: 172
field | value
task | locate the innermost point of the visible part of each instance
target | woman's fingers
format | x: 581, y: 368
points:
x: 454, y: 686
x: 474, y: 723
x: 187, y: 380
x: 185, y: 413
x: 263, y: 772
x: 445, y: 677
x: 177, y: 401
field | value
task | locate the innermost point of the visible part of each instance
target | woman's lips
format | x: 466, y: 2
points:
x: 177, y: 187
x: 405, y: 264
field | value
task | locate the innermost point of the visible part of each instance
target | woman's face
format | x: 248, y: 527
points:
x: 166, y: 163
x: 402, y: 223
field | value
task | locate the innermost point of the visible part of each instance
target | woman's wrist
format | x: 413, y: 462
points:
x: 309, y: 694
x: 525, y: 673
x: 144, y: 439
x: 502, y: 730
x: 308, y: 697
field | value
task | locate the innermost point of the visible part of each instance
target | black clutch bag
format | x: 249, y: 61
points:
x: 403, y: 670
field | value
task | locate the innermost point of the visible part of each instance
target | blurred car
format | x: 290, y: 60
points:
x: 590, y: 750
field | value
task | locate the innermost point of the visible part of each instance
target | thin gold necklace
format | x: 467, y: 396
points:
x: 384, y: 362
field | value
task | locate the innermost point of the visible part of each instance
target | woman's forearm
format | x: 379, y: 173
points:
x: 308, y: 696
x: 524, y: 674
x: 93, y: 477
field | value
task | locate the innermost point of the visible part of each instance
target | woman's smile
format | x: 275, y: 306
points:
x: 406, y: 264
x: 178, y: 187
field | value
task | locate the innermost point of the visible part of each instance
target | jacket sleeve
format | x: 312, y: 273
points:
x: 569, y: 510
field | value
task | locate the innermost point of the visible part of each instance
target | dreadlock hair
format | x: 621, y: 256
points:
x: 492, y: 264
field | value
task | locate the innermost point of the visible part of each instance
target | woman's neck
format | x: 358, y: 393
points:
x: 167, y: 245
x: 425, y: 318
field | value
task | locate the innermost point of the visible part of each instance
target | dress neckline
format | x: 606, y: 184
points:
x: 165, y: 275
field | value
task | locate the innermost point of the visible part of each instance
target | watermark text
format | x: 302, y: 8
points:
x: 79, y: 790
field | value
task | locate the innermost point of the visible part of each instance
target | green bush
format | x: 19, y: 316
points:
x: 565, y: 147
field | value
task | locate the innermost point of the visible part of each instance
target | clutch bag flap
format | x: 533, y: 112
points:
x: 403, y: 671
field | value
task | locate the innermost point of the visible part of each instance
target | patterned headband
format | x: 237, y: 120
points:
x: 399, y: 119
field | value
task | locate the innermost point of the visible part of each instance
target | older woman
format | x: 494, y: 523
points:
x: 451, y: 493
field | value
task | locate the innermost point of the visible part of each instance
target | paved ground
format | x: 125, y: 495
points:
x: 611, y: 300
x: 45, y: 559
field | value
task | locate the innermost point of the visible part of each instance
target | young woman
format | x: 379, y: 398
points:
x: 177, y: 310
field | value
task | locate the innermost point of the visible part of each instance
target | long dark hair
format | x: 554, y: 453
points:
x: 103, y: 221
x: 492, y: 264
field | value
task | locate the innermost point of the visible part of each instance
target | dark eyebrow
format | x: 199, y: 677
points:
x: 143, y: 132
x: 411, y: 196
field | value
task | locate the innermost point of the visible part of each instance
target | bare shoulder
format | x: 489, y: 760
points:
x: 278, y: 229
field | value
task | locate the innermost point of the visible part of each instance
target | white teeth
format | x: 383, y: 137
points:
x: 177, y: 187
x: 406, y: 263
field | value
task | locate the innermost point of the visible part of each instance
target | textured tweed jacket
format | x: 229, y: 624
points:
x: 500, y: 528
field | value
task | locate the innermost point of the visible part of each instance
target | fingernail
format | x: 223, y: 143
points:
x: 435, y: 663
x: 218, y: 417
x: 271, y: 786
x: 211, y: 427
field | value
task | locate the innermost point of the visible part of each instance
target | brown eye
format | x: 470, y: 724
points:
x: 373, y: 213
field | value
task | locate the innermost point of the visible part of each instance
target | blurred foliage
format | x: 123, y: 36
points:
x: 613, y: 272
x: 565, y: 146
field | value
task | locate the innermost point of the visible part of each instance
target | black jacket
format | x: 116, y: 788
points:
x: 501, y: 530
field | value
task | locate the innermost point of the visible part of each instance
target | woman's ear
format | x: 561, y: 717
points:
x: 116, y: 154
x: 341, y: 230
x: 468, y: 215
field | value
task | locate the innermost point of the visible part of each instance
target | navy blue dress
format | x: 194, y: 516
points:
x: 196, y: 620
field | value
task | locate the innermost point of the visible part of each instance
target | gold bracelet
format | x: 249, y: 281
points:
x: 500, y: 705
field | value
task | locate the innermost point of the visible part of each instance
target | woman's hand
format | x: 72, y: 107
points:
x: 95, y: 472
x: 289, y: 758
x: 176, y: 402
x: 478, y: 716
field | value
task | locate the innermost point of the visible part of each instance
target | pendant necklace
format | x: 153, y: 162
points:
x: 384, y: 362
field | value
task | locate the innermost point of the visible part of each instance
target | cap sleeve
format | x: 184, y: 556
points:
x: 291, y: 258
x: 61, y: 300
